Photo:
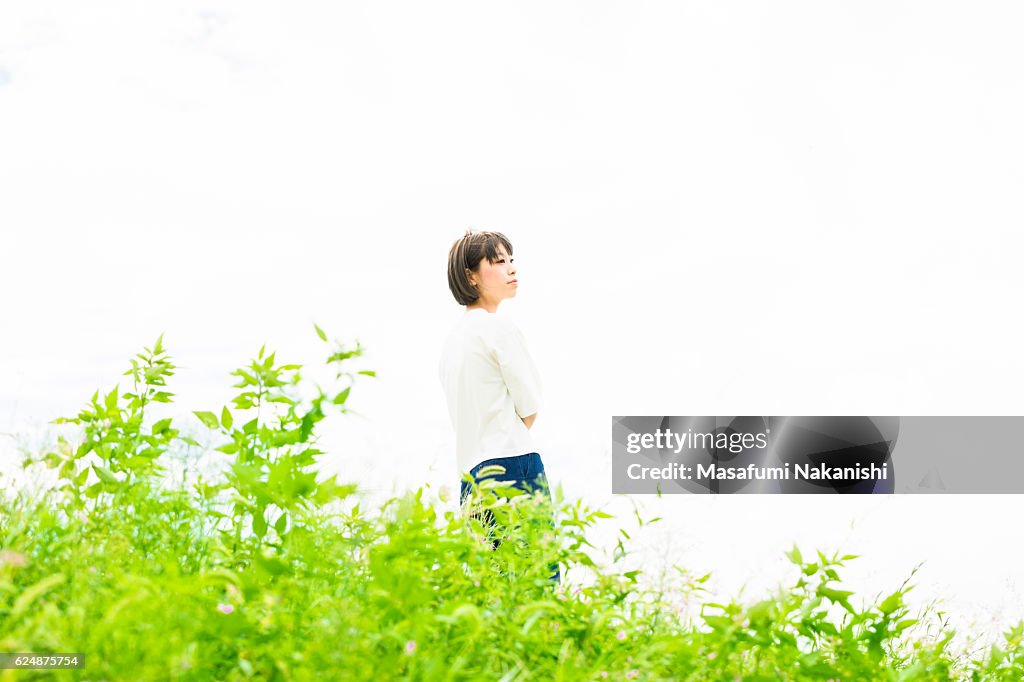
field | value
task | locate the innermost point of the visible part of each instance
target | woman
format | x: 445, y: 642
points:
x: 489, y: 379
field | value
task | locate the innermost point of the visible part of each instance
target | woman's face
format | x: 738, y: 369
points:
x: 495, y: 281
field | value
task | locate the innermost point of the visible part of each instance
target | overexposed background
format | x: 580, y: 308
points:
x: 794, y: 208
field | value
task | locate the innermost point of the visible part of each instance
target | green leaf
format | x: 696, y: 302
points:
x: 719, y: 623
x: 26, y: 598
x: 259, y: 524
x: 270, y: 564
x: 841, y: 597
x: 161, y: 426
x: 208, y: 418
x: 111, y: 400
x: 330, y: 489
x: 795, y: 556
x: 225, y: 418
x: 67, y: 470
x: 891, y: 603
x: 904, y: 624
x: 320, y: 332
x: 490, y: 470
x: 105, y: 474
x: 367, y: 372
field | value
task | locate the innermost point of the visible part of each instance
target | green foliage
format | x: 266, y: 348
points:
x: 259, y: 575
x: 116, y: 448
x: 270, y: 436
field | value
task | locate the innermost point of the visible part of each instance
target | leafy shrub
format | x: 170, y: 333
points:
x: 271, y: 573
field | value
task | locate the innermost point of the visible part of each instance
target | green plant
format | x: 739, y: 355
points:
x: 158, y: 580
x: 115, y: 446
x: 271, y: 436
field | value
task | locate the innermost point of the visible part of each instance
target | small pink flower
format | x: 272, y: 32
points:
x: 632, y: 673
x: 604, y: 674
x: 620, y: 635
x: 9, y: 556
x: 410, y: 647
x: 713, y: 655
x: 225, y: 608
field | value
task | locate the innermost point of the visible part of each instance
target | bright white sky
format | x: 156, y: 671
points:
x: 796, y: 208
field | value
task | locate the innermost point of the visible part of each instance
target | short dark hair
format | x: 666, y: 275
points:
x: 466, y: 254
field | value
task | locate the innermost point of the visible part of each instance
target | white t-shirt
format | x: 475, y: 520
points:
x: 490, y: 381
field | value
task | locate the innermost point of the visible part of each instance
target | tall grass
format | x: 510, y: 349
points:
x: 270, y: 572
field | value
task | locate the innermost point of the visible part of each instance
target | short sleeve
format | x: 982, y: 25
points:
x: 517, y: 368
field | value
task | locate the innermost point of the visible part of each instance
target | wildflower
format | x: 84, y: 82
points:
x: 620, y: 635
x: 604, y: 674
x: 713, y: 655
x: 225, y: 608
x: 410, y: 647
x: 476, y: 583
x: 9, y: 556
x: 632, y: 673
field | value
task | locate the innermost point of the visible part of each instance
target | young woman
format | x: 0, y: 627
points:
x: 489, y: 378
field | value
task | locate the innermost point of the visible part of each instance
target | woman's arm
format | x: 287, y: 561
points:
x: 517, y: 369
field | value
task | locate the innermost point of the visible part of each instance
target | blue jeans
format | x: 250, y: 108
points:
x: 525, y: 472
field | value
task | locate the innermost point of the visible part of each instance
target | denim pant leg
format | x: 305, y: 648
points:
x: 514, y: 470
x: 539, y: 481
x: 526, y: 472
